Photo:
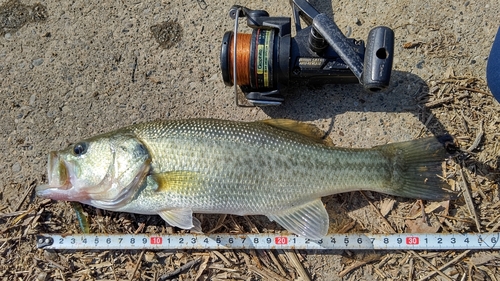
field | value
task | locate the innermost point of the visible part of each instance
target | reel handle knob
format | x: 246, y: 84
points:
x: 378, y: 59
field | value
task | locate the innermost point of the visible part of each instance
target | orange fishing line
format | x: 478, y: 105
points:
x: 242, y: 58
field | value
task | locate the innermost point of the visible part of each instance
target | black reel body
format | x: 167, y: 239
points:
x: 323, y: 66
x: 265, y: 63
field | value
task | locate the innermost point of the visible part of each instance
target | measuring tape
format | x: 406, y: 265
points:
x: 403, y: 241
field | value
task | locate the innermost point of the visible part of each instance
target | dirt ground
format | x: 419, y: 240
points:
x: 72, y: 69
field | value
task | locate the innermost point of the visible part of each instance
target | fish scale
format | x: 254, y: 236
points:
x: 279, y: 168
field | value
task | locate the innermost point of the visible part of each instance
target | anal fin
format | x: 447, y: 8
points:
x: 309, y: 220
x: 181, y: 217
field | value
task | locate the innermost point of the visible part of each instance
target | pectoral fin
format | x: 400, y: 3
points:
x: 182, y: 218
x: 309, y: 220
x: 176, y: 180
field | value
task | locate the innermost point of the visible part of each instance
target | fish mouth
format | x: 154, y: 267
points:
x: 58, y: 178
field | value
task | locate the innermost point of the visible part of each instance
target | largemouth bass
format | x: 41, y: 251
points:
x: 278, y: 168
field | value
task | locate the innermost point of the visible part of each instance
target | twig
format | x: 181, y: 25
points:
x: 412, y: 269
x: 246, y: 258
x: 435, y: 103
x: 220, y: 223
x: 113, y: 269
x: 355, y: 265
x: 277, y: 263
x: 380, y: 273
x: 26, y: 193
x: 379, y: 213
x: 438, y: 102
x: 463, y: 277
x: 223, y: 258
x: 62, y: 275
x: 431, y: 266
x: 23, y: 215
x: 292, y: 257
x: 136, y: 266
x: 266, y: 273
x: 478, y: 139
x: 140, y: 228
x: 474, y: 90
x: 426, y: 125
x: 495, y: 227
x: 202, y: 266
x: 253, y: 228
x: 56, y: 264
x: 424, y: 215
x: 13, y: 214
x: 255, y: 258
x: 468, y: 199
x: 179, y: 270
x: 490, y: 274
x: 453, y: 261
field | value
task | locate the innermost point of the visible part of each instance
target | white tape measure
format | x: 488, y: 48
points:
x: 403, y: 241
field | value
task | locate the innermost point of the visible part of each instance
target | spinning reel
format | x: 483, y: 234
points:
x: 264, y: 62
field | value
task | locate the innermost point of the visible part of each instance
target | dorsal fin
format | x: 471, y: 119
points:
x: 305, y: 129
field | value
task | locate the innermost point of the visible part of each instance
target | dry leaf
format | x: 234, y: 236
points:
x: 409, y: 45
x: 443, y: 206
x: 420, y: 226
x: 387, y: 206
x: 481, y: 258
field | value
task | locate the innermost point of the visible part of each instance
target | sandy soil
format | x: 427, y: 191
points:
x: 72, y: 69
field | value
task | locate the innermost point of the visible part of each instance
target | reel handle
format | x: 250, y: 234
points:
x: 378, y: 59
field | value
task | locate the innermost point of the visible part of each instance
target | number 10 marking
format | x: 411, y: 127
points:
x: 156, y: 240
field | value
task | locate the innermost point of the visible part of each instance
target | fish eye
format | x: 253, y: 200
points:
x: 80, y: 148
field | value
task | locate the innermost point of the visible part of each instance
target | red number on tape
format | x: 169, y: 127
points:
x: 156, y: 240
x: 412, y: 240
x: 280, y: 240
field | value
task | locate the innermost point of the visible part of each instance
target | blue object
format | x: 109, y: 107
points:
x: 493, y: 68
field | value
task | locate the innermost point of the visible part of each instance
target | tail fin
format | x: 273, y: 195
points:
x: 417, y: 165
